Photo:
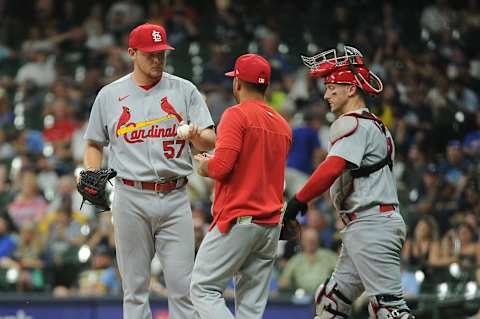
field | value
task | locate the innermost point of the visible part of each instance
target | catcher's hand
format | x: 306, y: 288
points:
x: 294, y: 206
x: 91, y: 186
x: 291, y: 230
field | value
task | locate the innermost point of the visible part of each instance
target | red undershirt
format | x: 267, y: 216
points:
x: 325, y: 174
x: 148, y: 86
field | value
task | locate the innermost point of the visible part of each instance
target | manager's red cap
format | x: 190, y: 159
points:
x: 149, y: 38
x: 251, y: 68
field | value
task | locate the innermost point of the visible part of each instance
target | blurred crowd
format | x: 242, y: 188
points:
x: 56, y: 55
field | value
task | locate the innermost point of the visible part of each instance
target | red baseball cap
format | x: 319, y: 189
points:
x: 251, y: 68
x: 149, y: 38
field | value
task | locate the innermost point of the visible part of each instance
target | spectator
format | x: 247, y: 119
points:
x: 462, y: 96
x: 7, y: 151
x: 421, y: 251
x: 28, y: 103
x: 8, y: 244
x: 67, y: 188
x: 98, y: 40
x: 61, y: 202
x: 7, y: 241
x: 435, y: 197
x: 36, y: 42
x: 6, y: 114
x: 318, y: 221
x: 180, y: 21
x: 309, y: 268
x: 102, y: 234
x: 122, y: 16
x: 47, y: 178
x: 101, y: 277
x: 60, y: 126
x: 438, y: 18
x: 65, y: 227
x: 62, y: 158
x: 28, y: 206
x: 28, y: 259
x: 5, y: 191
x: 214, y: 82
x: 281, y: 67
x: 40, y: 70
x: 460, y: 245
x: 471, y: 142
x: 388, y: 106
x: 437, y: 96
x: 456, y: 166
x: 78, y: 144
x: 63, y: 239
x: 470, y: 198
x: 416, y: 165
x: 305, y: 152
x: 228, y: 20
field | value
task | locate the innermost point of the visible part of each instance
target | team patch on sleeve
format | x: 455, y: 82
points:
x: 343, y: 127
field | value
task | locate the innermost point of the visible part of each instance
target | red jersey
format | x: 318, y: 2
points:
x: 249, y: 164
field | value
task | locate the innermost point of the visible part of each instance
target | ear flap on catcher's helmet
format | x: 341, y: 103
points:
x: 347, y: 69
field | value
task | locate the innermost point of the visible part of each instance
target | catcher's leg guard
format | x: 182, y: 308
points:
x: 388, y: 307
x: 330, y: 302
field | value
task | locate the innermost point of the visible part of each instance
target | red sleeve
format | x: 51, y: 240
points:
x: 229, y: 143
x: 222, y: 163
x: 323, y: 177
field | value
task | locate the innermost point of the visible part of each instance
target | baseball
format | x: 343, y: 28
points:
x: 183, y: 131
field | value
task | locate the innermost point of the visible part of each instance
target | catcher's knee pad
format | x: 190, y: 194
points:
x: 330, y: 303
x: 388, y: 307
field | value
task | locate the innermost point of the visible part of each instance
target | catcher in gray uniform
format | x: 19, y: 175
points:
x: 358, y: 171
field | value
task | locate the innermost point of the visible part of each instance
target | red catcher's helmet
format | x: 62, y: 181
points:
x: 346, y: 69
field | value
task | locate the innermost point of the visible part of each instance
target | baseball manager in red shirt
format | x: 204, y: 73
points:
x: 248, y: 167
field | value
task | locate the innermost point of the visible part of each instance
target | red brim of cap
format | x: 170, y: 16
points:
x: 231, y: 74
x: 161, y: 47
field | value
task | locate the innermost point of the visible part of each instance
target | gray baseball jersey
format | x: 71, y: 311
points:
x: 367, y: 145
x: 140, y: 131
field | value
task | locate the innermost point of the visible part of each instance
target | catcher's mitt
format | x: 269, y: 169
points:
x: 291, y: 230
x: 91, y: 186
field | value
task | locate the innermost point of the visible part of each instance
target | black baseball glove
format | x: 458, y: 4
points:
x: 294, y: 206
x: 291, y: 230
x: 91, y: 186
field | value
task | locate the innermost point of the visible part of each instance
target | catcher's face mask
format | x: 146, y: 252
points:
x: 348, y: 68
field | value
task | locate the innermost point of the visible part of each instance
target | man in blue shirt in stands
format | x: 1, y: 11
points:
x: 305, y: 153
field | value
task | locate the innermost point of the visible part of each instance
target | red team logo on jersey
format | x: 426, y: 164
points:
x: 134, y: 132
x: 169, y: 109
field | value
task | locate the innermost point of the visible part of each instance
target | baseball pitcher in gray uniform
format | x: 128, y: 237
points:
x: 358, y: 171
x: 137, y: 117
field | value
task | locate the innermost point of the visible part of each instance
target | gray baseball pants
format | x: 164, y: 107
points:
x: 370, y: 256
x: 246, y: 253
x: 146, y: 222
